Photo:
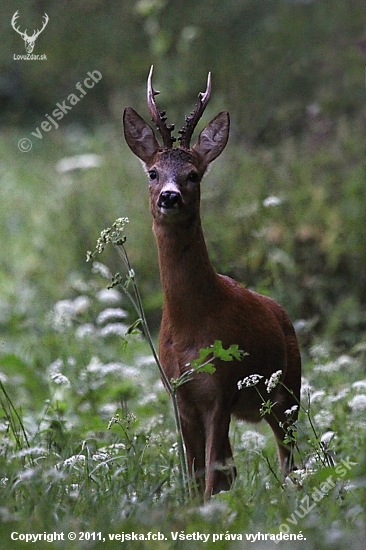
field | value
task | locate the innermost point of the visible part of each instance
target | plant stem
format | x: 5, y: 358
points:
x: 137, y: 303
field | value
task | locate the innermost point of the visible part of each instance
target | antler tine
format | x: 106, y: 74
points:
x: 44, y: 24
x: 158, y: 117
x: 15, y: 17
x: 192, y: 119
x: 14, y: 22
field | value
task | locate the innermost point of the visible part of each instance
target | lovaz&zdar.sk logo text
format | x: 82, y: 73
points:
x: 29, y: 41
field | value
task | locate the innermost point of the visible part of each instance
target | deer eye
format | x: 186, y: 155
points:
x: 153, y: 174
x: 193, y: 177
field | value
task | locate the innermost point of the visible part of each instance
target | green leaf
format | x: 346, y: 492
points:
x: 133, y: 328
x: 216, y: 351
x: 207, y: 367
x: 233, y: 352
x: 204, y: 353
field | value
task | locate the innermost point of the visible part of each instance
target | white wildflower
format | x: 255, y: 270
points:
x: 358, y: 402
x: 79, y: 284
x: 272, y: 200
x: 99, y: 369
x: 323, y: 419
x: 102, y: 456
x: 30, y: 451
x: 131, y: 372
x: 114, y: 329
x: 359, y: 385
x: 81, y: 304
x: 119, y: 224
x: 273, y: 380
x: 327, y: 438
x: 101, y: 269
x: 61, y: 379
x: 109, y: 295
x: 306, y: 388
x: 64, y: 312
x: 343, y: 361
x: 86, y: 330
x: 338, y: 396
x: 249, y: 381
x: 73, y: 490
x: 319, y: 351
x: 61, y: 315
x: 73, y: 460
x: 147, y: 399
x: 95, y: 365
x: 174, y: 449
x: 3, y: 377
x: 144, y: 360
x: 55, y: 367
x: 107, y: 410
x: 114, y: 448
x: 54, y: 371
x: 79, y: 162
x: 317, y: 396
x: 252, y: 440
x: 111, y: 313
x: 289, y: 412
x: 26, y: 475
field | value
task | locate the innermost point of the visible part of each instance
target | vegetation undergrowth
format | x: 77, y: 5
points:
x: 73, y: 363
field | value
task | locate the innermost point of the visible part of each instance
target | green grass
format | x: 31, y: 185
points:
x: 66, y: 372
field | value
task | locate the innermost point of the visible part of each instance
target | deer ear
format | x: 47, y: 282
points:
x: 139, y: 136
x: 212, y: 140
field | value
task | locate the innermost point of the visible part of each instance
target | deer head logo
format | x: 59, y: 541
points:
x: 29, y: 41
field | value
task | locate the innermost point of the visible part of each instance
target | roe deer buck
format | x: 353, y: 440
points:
x: 201, y: 306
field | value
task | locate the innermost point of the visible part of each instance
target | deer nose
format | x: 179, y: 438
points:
x: 170, y: 199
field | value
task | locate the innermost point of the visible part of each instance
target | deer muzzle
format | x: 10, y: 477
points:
x: 170, y: 200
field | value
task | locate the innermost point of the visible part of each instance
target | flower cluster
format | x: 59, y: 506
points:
x: 253, y: 379
x: 249, y: 381
x: 293, y: 409
x: 109, y: 235
x: 273, y: 380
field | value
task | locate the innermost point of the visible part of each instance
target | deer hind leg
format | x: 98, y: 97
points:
x: 220, y: 468
x: 281, y: 426
x: 194, y: 441
x: 287, y: 398
x: 285, y: 450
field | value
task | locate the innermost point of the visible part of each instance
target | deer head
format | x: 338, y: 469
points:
x: 175, y: 173
x: 29, y: 40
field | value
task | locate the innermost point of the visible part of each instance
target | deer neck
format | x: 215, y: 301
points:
x: 188, y: 279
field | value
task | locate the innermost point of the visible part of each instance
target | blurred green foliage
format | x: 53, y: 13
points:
x: 270, y: 60
x: 288, y: 221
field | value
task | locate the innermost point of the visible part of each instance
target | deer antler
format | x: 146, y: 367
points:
x: 37, y: 32
x: 13, y: 21
x: 158, y: 117
x: 24, y: 35
x: 192, y: 119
